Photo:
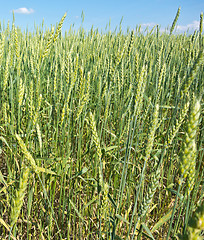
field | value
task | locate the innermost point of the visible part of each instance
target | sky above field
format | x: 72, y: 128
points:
x: 29, y: 13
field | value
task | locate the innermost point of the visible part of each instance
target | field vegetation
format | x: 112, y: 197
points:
x: 101, y: 133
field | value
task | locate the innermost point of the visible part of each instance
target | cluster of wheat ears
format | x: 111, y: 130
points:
x: 101, y: 133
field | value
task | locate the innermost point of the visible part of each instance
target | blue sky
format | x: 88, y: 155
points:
x: 98, y: 13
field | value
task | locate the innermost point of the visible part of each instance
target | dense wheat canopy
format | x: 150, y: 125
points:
x: 101, y: 133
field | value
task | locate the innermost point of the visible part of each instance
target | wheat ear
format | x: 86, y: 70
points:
x: 26, y: 153
x: 175, y: 20
x: 59, y: 27
x: 188, y: 154
x: 20, y: 194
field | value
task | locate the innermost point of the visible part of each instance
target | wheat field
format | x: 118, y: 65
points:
x: 101, y: 133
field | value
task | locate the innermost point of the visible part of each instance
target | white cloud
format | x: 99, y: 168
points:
x: 151, y: 24
x: 191, y: 26
x: 179, y: 28
x: 24, y: 10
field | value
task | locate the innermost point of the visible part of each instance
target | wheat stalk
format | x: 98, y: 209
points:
x: 95, y: 137
x: 201, y: 30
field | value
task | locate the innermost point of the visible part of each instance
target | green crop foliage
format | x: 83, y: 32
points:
x: 95, y: 129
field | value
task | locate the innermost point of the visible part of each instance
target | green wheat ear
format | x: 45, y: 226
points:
x: 188, y: 155
x: 53, y: 36
x: 49, y: 42
x: 20, y: 194
x: 26, y: 153
x: 175, y: 20
x: 59, y: 27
